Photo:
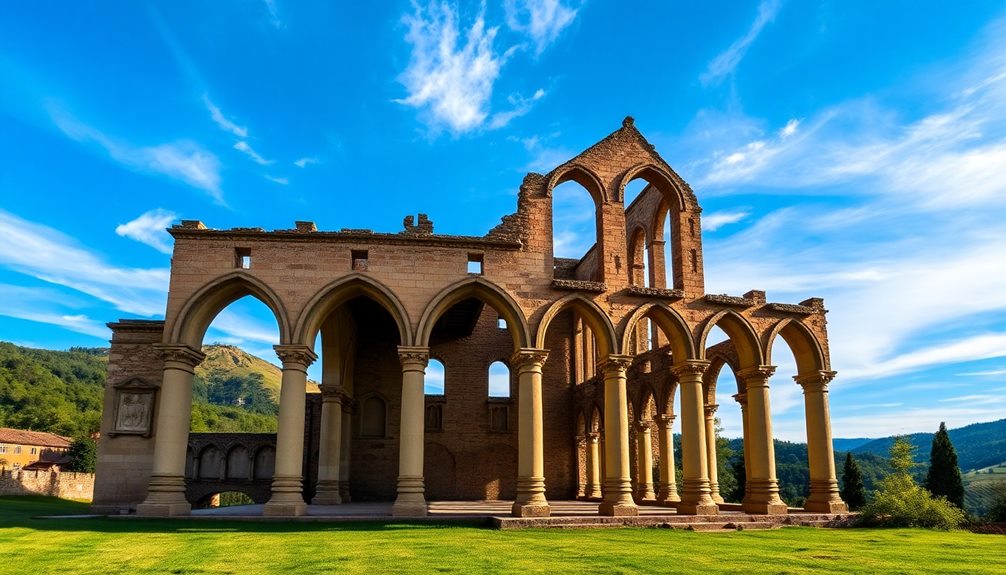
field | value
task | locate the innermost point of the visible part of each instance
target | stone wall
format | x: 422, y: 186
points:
x: 66, y: 484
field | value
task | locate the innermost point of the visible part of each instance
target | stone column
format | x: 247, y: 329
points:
x: 581, y: 479
x: 714, y: 484
x: 824, y: 496
x: 593, y: 490
x: 329, y: 452
x: 617, y: 481
x: 668, y: 493
x: 762, y: 492
x: 288, y: 480
x: 344, y: 455
x: 695, y: 497
x: 411, y: 499
x: 644, y: 462
x: 530, y: 500
x: 166, y: 491
x: 742, y: 400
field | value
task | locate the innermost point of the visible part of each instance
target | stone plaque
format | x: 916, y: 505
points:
x: 134, y: 409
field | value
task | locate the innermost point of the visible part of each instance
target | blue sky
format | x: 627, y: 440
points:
x: 849, y: 150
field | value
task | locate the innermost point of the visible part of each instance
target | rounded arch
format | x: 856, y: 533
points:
x: 806, y: 348
x: 198, y: 312
x: 670, y: 322
x: 740, y: 332
x: 581, y: 175
x: 338, y: 292
x: 484, y: 290
x: 658, y: 178
x: 600, y: 325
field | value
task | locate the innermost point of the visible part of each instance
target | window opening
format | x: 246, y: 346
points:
x: 360, y: 260
x: 475, y: 264
x: 242, y: 258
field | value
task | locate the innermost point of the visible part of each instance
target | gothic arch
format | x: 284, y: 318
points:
x: 670, y: 322
x: 195, y: 317
x: 742, y: 335
x: 581, y: 175
x: 806, y: 349
x: 657, y: 177
x: 330, y: 297
x: 600, y: 325
x: 488, y: 292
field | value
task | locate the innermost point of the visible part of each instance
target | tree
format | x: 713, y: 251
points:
x: 944, y: 477
x: 997, y: 511
x: 724, y: 453
x: 83, y: 455
x: 853, y: 492
x: 740, y: 479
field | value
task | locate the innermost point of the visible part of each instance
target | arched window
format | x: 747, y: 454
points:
x: 574, y: 231
x: 373, y: 417
x: 499, y: 380
x: 435, y: 375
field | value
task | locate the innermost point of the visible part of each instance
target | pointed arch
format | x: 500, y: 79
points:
x: 596, y: 418
x: 645, y: 396
x: 600, y: 325
x: 805, y: 347
x: 718, y: 358
x: 330, y: 297
x: 198, y: 312
x: 657, y: 177
x: 488, y: 292
x: 740, y: 332
x: 670, y: 322
x: 581, y: 175
x: 638, y: 243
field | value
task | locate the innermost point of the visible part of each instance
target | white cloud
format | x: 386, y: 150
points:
x: 451, y: 81
x: 520, y: 106
x: 725, y: 63
x: 247, y: 150
x: 281, y: 181
x: 717, y: 220
x: 974, y: 348
x: 45, y: 305
x: 184, y: 160
x: 991, y: 372
x: 149, y: 229
x: 789, y: 129
x: 542, y: 20
x: 305, y: 162
x: 225, y: 124
x: 270, y: 6
x: 45, y: 253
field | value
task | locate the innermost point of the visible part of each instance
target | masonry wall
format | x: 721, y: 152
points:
x: 66, y: 485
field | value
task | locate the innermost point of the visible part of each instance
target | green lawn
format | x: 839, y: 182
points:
x: 105, y: 546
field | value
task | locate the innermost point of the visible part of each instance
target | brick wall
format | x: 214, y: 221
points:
x: 64, y: 484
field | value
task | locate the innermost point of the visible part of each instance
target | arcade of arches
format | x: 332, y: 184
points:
x: 603, y: 353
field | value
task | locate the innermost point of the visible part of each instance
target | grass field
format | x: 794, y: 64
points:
x: 106, y: 546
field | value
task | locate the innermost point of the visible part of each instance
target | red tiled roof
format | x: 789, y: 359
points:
x: 39, y: 438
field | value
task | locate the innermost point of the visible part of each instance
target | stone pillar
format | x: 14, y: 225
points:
x: 344, y: 455
x: 714, y: 484
x: 166, y: 491
x: 668, y: 493
x: 644, y: 462
x: 762, y: 492
x: 742, y: 400
x: 824, y: 496
x: 581, y: 479
x: 695, y: 497
x: 288, y: 480
x: 530, y: 500
x: 593, y: 490
x: 330, y: 450
x: 617, y: 481
x: 411, y: 499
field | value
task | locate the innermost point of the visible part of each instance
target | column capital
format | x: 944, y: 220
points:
x: 711, y: 409
x: 528, y: 359
x: 741, y: 398
x: 615, y: 361
x: 415, y: 357
x: 297, y: 355
x: 756, y: 376
x: 690, y: 367
x: 664, y: 420
x: 593, y: 437
x: 815, y: 381
x: 334, y: 394
x: 180, y: 353
x: 644, y: 426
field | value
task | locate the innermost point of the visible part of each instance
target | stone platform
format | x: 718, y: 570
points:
x: 565, y: 514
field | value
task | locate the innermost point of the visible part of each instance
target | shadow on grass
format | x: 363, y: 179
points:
x: 30, y: 512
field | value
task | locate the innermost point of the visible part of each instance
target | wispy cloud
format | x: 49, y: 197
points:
x: 222, y: 121
x: 184, y: 160
x: 45, y: 305
x: 717, y: 220
x: 273, y: 10
x: 542, y: 20
x: 247, y: 150
x: 520, y: 106
x: 724, y: 64
x: 450, y: 78
x: 987, y: 373
x: 281, y: 181
x: 149, y: 228
x: 305, y: 162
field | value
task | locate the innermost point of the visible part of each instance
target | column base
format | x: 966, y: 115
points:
x: 758, y: 508
x: 165, y: 497
x: 617, y: 509
x: 344, y: 492
x: 717, y: 498
x: 701, y: 508
x: 826, y: 506
x: 762, y: 497
x: 327, y: 493
x: 287, y: 497
x: 284, y: 509
x: 411, y: 500
x: 163, y: 509
x: 530, y: 510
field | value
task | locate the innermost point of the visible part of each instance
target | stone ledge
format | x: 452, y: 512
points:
x: 663, y: 293
x: 790, y: 308
x: 730, y: 300
x: 579, y: 285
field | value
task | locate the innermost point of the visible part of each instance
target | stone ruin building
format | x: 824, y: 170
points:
x: 603, y: 355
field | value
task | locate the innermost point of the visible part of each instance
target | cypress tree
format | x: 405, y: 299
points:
x: 853, y: 492
x: 944, y: 477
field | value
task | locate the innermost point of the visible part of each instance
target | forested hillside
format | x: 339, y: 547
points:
x: 978, y: 445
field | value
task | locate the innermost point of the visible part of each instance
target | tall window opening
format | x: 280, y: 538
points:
x: 574, y: 225
x: 499, y: 380
x: 435, y: 376
x: 373, y: 417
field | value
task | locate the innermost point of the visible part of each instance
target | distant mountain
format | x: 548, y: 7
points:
x: 848, y: 444
x: 978, y: 445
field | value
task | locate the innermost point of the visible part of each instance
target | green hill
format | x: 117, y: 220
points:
x: 978, y: 445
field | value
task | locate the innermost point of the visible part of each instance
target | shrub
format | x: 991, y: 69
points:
x: 997, y: 511
x: 900, y: 502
